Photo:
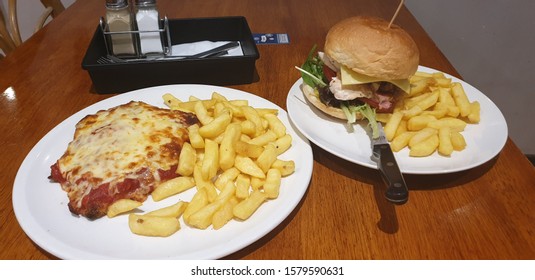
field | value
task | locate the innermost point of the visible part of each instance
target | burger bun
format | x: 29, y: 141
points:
x: 367, y: 45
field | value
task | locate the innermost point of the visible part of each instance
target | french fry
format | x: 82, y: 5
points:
x: 203, y: 217
x: 171, y: 101
x: 267, y: 157
x: 474, y: 116
x: 425, y: 147
x: 401, y: 141
x: 222, y: 216
x: 402, y: 127
x: 382, y: 117
x: 216, y: 126
x: 172, y: 187
x: 122, y: 206
x: 413, y: 111
x: 419, y: 122
x: 174, y: 210
x: 236, y: 111
x: 439, y: 111
x: 272, y: 184
x: 275, y: 125
x: 257, y: 183
x: 286, y: 167
x: 392, y: 125
x: 453, y: 111
x: 239, y: 102
x: 442, y: 81
x: 457, y: 141
x: 445, y: 146
x: 413, y: 101
x: 421, y: 85
x: 190, y: 105
x: 263, y: 111
x: 228, y: 175
x: 205, y: 184
x: 243, y: 184
x: 202, y: 113
x: 248, y: 166
x: 248, y: 128
x: 186, y: 160
x: 198, y: 201
x: 429, y: 101
x: 445, y: 96
x: 195, y: 138
x: 153, y: 225
x: 228, y: 191
x: 421, y: 136
x: 283, y: 144
x: 217, y: 96
x: 210, y: 162
x: 218, y: 109
x: 244, y: 209
x: 252, y: 115
x: 263, y: 139
x: 247, y: 149
x: 453, y: 123
x: 227, y: 150
x: 461, y: 100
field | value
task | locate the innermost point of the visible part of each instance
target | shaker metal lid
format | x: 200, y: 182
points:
x: 116, y: 3
x: 145, y: 2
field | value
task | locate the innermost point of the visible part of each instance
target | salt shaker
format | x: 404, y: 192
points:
x: 119, y: 19
x: 147, y: 19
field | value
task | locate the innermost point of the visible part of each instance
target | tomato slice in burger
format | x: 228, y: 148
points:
x: 328, y: 73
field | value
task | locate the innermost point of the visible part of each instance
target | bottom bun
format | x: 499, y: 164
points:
x: 311, y: 96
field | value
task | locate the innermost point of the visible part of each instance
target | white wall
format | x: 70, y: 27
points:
x: 491, y: 43
x: 28, y: 12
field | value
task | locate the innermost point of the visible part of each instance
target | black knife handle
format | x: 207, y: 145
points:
x: 396, y: 191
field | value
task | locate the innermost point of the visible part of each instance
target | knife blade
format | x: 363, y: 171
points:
x: 397, y: 191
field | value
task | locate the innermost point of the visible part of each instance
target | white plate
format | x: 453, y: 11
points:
x: 484, y: 140
x: 41, y: 206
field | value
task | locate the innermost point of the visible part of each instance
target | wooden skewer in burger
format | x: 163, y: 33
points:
x: 364, y: 69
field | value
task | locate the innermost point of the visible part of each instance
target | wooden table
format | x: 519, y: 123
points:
x: 487, y: 212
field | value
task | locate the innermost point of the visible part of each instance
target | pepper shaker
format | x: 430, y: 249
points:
x: 119, y: 19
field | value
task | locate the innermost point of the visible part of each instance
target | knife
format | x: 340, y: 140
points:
x: 396, y: 191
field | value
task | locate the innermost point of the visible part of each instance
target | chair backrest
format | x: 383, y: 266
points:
x: 9, y: 33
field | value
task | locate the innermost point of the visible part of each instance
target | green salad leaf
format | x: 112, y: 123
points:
x: 368, y: 112
x: 312, y: 70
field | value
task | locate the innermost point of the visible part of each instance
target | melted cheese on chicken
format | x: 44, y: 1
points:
x: 132, y: 141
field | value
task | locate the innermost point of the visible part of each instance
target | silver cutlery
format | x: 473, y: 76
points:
x: 215, y: 52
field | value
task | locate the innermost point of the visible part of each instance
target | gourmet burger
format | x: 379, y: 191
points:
x: 364, y: 69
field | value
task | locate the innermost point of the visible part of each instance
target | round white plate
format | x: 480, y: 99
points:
x: 484, y: 140
x: 41, y: 206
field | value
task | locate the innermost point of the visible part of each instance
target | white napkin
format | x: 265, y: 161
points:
x: 201, y: 46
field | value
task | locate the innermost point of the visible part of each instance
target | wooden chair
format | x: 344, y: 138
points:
x: 10, y: 36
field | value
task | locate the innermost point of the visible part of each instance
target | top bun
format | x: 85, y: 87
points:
x: 368, y: 46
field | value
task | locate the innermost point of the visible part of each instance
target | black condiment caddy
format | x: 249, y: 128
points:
x: 119, y: 77
x: 164, y: 35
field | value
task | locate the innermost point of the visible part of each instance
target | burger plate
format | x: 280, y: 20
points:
x: 484, y: 140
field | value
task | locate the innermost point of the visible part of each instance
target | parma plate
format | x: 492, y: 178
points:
x: 484, y: 140
x: 41, y: 206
